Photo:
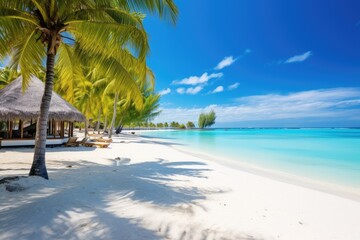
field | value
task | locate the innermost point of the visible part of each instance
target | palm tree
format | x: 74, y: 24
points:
x: 144, y: 82
x: 129, y: 114
x: 86, y: 96
x: 106, y: 109
x: 7, y: 75
x: 64, y: 31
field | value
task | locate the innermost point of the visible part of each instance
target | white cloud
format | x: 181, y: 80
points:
x: 194, y: 80
x: 194, y: 90
x: 324, y: 104
x: 218, y: 89
x: 180, y: 90
x: 227, y: 61
x: 299, y: 58
x: 165, y: 91
x: 233, y: 86
x: 190, y: 90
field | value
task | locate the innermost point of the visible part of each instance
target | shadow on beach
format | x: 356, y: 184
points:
x: 89, y: 199
x: 124, y: 138
x: 48, y: 149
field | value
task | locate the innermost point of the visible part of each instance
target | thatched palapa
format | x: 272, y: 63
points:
x: 14, y: 104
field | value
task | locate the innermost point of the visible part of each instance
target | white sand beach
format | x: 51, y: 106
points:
x: 155, y: 191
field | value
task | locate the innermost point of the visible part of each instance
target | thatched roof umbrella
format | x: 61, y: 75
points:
x: 14, y: 104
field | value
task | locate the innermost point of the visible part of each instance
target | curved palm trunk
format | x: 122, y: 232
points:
x: 98, y: 122
x: 38, y: 167
x: 105, y: 124
x: 119, y: 129
x: 114, y: 116
x: 120, y: 126
x: 86, y: 127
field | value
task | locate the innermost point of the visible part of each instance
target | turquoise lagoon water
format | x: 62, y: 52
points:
x: 328, y: 155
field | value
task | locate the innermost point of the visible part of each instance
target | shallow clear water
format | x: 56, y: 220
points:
x: 329, y: 155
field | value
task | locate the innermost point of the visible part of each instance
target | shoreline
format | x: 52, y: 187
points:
x: 348, y: 192
x: 156, y: 191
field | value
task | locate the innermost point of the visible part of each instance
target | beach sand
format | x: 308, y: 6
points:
x: 142, y: 188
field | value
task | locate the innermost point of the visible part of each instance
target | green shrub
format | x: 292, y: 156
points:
x: 207, y: 119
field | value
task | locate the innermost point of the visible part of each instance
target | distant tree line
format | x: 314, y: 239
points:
x: 172, y: 124
x: 205, y: 120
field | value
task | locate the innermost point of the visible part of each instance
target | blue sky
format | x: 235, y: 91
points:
x: 260, y: 63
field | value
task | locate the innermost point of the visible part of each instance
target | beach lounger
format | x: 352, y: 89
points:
x: 95, y: 135
x: 96, y: 144
x: 83, y: 141
x: 107, y: 140
x: 71, y: 142
x: 75, y: 143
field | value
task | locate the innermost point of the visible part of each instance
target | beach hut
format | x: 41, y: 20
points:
x: 19, y: 111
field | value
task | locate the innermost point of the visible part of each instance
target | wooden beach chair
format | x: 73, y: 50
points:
x: 95, y: 135
x: 101, y: 139
x: 75, y: 143
x: 97, y: 144
x: 83, y: 141
x: 71, y: 142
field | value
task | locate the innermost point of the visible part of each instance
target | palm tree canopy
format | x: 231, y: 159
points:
x: 96, y: 29
x: 102, y: 30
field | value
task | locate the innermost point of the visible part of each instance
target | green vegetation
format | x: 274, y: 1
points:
x: 7, y: 75
x: 207, y: 119
x: 174, y: 124
x: 128, y: 113
x: 97, y: 49
x: 190, y: 125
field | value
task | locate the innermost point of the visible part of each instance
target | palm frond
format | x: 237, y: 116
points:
x: 109, y: 36
x: 164, y: 8
x: 27, y: 56
x: 21, y: 5
x: 122, y: 82
x: 7, y: 14
x: 69, y: 70
x: 42, y: 9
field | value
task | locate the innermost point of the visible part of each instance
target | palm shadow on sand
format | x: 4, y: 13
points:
x: 86, y: 192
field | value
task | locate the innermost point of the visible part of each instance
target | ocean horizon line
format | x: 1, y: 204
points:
x: 214, y: 128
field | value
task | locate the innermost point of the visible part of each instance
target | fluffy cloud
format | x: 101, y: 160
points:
x: 180, y: 90
x: 227, y: 61
x: 233, y: 86
x: 165, y: 91
x: 191, y: 90
x: 323, y: 104
x: 194, y: 90
x: 218, y: 89
x: 195, y: 80
x: 299, y: 58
